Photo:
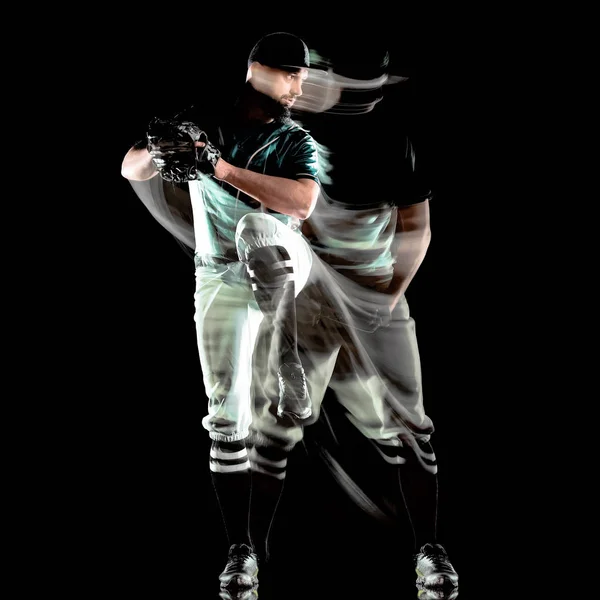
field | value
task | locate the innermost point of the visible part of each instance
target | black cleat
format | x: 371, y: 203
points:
x: 242, y: 568
x: 294, y: 400
x: 434, y: 572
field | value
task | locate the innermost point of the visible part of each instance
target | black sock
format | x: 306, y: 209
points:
x: 230, y: 472
x: 419, y: 487
x: 268, y: 476
x: 272, y: 277
x: 413, y: 489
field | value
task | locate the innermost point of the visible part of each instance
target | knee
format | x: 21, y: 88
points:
x: 247, y: 221
x: 253, y: 231
x: 253, y: 225
x: 268, y: 258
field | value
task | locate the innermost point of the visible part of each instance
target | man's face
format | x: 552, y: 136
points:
x: 280, y: 85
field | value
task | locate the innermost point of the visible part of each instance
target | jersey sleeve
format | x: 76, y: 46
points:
x: 303, y: 160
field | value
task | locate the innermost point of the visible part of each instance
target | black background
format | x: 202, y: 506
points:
x: 149, y: 522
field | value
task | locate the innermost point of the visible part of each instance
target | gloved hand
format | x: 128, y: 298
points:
x: 172, y: 147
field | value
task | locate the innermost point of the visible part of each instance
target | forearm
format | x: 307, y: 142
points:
x: 411, y: 242
x: 286, y: 196
x: 411, y: 252
x: 138, y: 166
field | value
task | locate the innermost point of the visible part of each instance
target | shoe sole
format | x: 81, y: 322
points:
x: 241, y: 582
x: 296, y: 416
x: 437, y: 594
x: 436, y: 581
x: 247, y: 594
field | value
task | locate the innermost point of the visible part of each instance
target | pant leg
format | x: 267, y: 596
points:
x: 259, y: 230
x: 384, y: 395
x: 226, y: 328
x: 318, y: 347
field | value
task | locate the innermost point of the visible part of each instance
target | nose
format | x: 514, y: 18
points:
x: 297, y: 88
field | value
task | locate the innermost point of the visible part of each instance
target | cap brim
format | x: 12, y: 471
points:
x: 289, y: 67
x: 395, y: 79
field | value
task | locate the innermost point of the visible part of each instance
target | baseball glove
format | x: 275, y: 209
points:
x: 171, y: 145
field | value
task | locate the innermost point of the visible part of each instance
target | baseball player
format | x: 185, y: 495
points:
x: 252, y: 176
x: 370, y: 231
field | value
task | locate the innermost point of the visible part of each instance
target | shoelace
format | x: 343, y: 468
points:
x: 237, y: 561
x: 293, y: 376
x: 439, y: 559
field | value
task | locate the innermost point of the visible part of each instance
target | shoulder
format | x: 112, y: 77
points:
x: 297, y: 133
x: 296, y: 139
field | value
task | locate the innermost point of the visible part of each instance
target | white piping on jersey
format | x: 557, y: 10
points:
x: 237, y: 196
x: 261, y: 148
x: 253, y: 155
x: 262, y: 206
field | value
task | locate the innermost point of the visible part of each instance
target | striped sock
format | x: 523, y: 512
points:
x: 228, y: 457
x: 396, y: 452
x: 415, y: 483
x: 269, y: 461
x: 426, y: 457
x: 392, y: 451
x: 230, y: 473
x: 268, y: 477
x: 419, y: 488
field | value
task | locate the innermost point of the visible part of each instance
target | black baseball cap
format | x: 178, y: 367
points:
x: 366, y: 60
x: 281, y: 50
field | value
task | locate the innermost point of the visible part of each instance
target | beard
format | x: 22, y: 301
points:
x: 274, y: 109
x: 278, y: 111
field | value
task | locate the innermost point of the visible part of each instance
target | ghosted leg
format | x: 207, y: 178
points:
x: 384, y: 401
x: 267, y: 246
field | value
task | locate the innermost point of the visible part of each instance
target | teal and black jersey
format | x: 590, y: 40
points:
x: 371, y: 174
x: 279, y: 149
x: 276, y: 149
